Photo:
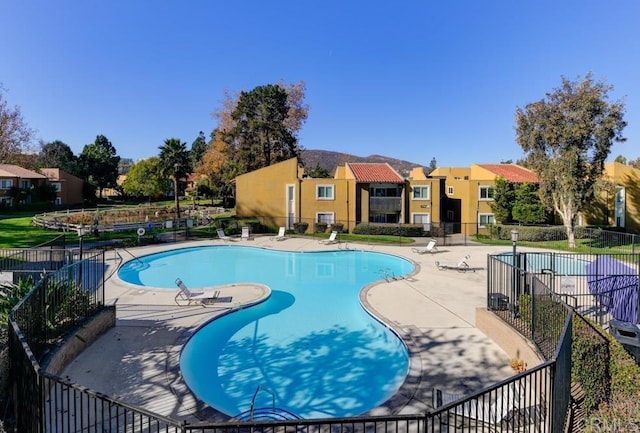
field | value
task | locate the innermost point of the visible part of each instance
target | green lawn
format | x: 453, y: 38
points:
x: 17, y: 232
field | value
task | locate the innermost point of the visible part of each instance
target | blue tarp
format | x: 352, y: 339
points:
x: 615, y: 285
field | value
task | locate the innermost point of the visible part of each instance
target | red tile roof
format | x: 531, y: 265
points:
x: 368, y: 172
x: 512, y: 172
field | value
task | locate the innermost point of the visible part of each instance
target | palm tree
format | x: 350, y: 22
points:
x: 175, y: 163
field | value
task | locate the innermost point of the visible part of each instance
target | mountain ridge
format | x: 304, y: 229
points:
x: 330, y: 160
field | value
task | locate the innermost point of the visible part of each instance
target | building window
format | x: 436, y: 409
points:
x: 486, y: 218
x: 6, y: 183
x: 449, y: 190
x: 25, y: 184
x: 451, y: 215
x: 421, y: 192
x: 57, y: 186
x: 324, y: 192
x: 325, y: 217
x: 424, y: 219
x: 486, y: 193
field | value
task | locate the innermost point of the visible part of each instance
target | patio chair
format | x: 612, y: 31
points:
x: 188, y: 296
x: 246, y: 234
x: 483, y: 409
x: 332, y: 239
x: 281, y: 235
x: 224, y: 237
x: 461, y: 266
x: 430, y: 248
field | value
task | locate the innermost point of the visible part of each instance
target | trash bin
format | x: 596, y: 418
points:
x: 628, y: 334
x: 498, y: 301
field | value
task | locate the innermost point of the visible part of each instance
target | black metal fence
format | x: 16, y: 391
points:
x: 23, y: 263
x: 531, y: 300
x: 598, y: 286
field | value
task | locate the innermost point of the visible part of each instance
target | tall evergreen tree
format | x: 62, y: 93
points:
x: 503, y: 198
x: 57, y: 154
x: 99, y: 163
x: 198, y: 148
x: 260, y: 136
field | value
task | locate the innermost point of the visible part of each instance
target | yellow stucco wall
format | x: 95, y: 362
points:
x: 602, y: 210
x: 263, y: 192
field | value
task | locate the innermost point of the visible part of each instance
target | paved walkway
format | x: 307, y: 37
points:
x: 433, y: 310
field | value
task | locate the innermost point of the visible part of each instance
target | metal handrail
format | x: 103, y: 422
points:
x: 253, y: 400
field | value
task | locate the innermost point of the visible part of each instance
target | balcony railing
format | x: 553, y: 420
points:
x: 393, y: 204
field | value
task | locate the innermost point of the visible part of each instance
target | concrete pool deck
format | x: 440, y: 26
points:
x: 433, y: 310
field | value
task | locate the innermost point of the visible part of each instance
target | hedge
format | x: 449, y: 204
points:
x: 406, y: 230
x: 536, y: 233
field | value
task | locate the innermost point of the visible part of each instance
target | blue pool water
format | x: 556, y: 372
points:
x: 311, y: 346
x: 562, y: 264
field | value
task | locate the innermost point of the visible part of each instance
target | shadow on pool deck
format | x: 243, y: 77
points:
x: 434, y: 312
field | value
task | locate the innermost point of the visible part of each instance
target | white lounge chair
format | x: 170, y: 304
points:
x: 188, y: 296
x: 281, y: 235
x: 246, y: 234
x: 332, y: 239
x: 430, y: 248
x: 492, y: 410
x: 224, y: 237
x: 461, y: 266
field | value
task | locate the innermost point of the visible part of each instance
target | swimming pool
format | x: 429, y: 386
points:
x: 311, y: 347
x: 556, y: 263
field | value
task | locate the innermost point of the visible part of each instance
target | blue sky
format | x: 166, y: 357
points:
x: 410, y: 79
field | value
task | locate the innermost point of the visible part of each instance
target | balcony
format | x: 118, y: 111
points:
x: 387, y: 204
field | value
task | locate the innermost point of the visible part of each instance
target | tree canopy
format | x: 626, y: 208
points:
x: 145, y: 179
x: 15, y: 134
x: 260, y: 136
x: 503, y: 197
x: 567, y: 137
x: 198, y: 148
x: 175, y: 163
x: 319, y: 172
x: 100, y: 163
x: 254, y: 129
x: 58, y: 154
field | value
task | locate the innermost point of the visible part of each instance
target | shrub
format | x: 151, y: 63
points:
x: 300, y: 227
x: 590, y: 360
x: 320, y: 227
x: 337, y: 227
x: 407, y: 230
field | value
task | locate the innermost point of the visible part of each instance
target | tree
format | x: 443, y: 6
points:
x: 198, y: 148
x: 15, y: 135
x: 100, y: 163
x: 57, y: 154
x: 125, y: 165
x: 175, y: 164
x: 567, y: 137
x: 432, y: 165
x: 527, y: 207
x: 621, y: 159
x: 319, y: 172
x: 219, y: 166
x: 635, y: 163
x: 145, y: 179
x: 260, y: 137
x: 503, y: 198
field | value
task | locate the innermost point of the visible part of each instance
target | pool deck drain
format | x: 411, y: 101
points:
x: 433, y: 311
